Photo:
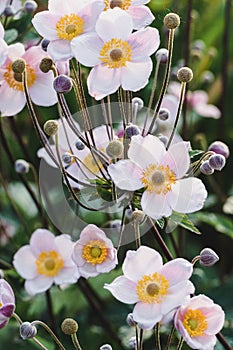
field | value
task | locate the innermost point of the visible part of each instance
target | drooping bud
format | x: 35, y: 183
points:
x: 217, y: 161
x: 115, y: 149
x: 137, y: 101
x: 206, y: 169
x: 67, y: 158
x: 162, y: 55
x: 44, y: 44
x: 163, y: 139
x: 69, y: 326
x: 132, y: 342
x: 106, y: 347
x: 8, y: 12
x: 208, y: 257
x: 130, y: 320
x: 46, y: 64
x: 138, y: 216
x: 185, y: 74
x: 79, y: 145
x: 219, y: 147
x: 164, y: 114
x: 51, y: 127
x: 30, y: 6
x: 19, y: 65
x: 27, y: 330
x: 21, y: 166
x: 131, y: 130
x: 62, y: 84
x: 198, y: 45
x: 171, y: 21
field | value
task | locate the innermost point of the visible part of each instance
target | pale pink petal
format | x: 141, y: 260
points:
x: 64, y: 7
x: 33, y: 57
x: 208, y: 111
x: 146, y: 150
x: 148, y: 314
x: 216, y: 317
x: 103, y: 81
x: 106, y: 266
x: 15, y: 51
x: 144, y: 43
x: 91, y: 232
x: 24, y: 262
x: 126, y: 175
x: 42, y: 240
x: 38, y: 285
x: 139, y: 2
x: 3, y: 52
x: 187, y: 195
x: 60, y: 50
x: 135, y: 75
x: 177, y: 295
x: 100, y: 135
x: 183, y: 270
x: 86, y: 49
x: 67, y: 275
x: 114, y: 23
x: 123, y: 290
x: 198, y: 97
x: 155, y: 205
x: 90, y: 13
x: 177, y: 158
x: 42, y: 153
x: 1, y: 29
x: 45, y: 24
x: 42, y: 92
x: 88, y: 270
x: 64, y: 247
x: 174, y: 89
x: 171, y: 103
x: 143, y: 261
x: 12, y: 101
x: 77, y: 255
x: 141, y: 15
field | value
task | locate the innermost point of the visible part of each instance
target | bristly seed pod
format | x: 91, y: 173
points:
x: 51, y: 127
x: 69, y: 326
x: 171, y: 21
x: 185, y: 74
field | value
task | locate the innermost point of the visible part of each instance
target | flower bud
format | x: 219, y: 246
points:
x: 51, y: 127
x: 46, y: 64
x: 139, y: 102
x: 132, y: 342
x: 162, y: 55
x: 62, y: 84
x: 30, y: 6
x: 67, y: 158
x: 114, y: 149
x: 185, y: 74
x: 44, y: 44
x: 206, y: 169
x: 138, y: 216
x: 171, y: 21
x: 19, y: 65
x: 69, y: 326
x: 219, y: 147
x: 164, y: 139
x: 27, y: 330
x: 208, y: 257
x: 106, y: 347
x: 217, y: 161
x: 198, y: 45
x: 164, y: 114
x: 207, y: 77
x: 131, y: 130
x: 8, y: 12
x: 130, y: 321
x: 79, y: 145
x: 21, y: 166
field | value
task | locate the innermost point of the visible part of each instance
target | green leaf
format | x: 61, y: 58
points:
x: 195, y: 152
x: 10, y: 35
x: 161, y: 223
x: 178, y: 219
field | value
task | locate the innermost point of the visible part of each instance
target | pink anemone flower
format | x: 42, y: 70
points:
x: 198, y: 321
x: 64, y: 21
x: 7, y: 302
x: 46, y: 260
x: 161, y: 173
x: 40, y: 85
x: 118, y: 56
x: 3, y: 46
x: 156, y: 289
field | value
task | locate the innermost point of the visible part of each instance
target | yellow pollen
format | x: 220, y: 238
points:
x: 158, y: 179
x: 93, y: 164
x: 123, y: 4
x: 69, y: 26
x: 152, y: 289
x: 115, y: 53
x: 195, y: 323
x: 1, y: 304
x: 49, y: 263
x: 14, y: 80
x: 95, y: 252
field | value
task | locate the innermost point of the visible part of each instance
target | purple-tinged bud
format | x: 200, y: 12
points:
x: 79, y: 145
x: 27, y: 330
x: 137, y: 101
x: 67, y: 158
x: 44, y: 44
x: 21, y: 166
x: 62, y: 84
x: 30, y: 6
x: 131, y: 130
x: 130, y: 321
x: 106, y: 347
x: 8, y: 12
x: 69, y: 326
x: 217, y: 161
x: 208, y: 257
x: 206, y: 169
x: 132, y: 342
x: 162, y: 55
x: 219, y: 147
x: 164, y: 114
x: 164, y: 139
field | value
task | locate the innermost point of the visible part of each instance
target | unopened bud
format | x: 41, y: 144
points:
x: 171, y: 20
x: 207, y: 77
x: 219, y: 147
x: 217, y: 161
x: 208, y: 257
x: 185, y: 74
x: 114, y: 149
x: 106, y: 347
x: 8, y: 12
x: 30, y: 6
x: 164, y: 114
x: 21, y: 166
x: 139, y: 102
x: 19, y: 65
x: 51, y: 127
x: 130, y: 320
x: 27, y: 330
x: 162, y: 55
x: 79, y: 145
x: 132, y: 342
x: 44, y: 44
x: 206, y: 169
x: 164, y: 139
x: 69, y: 326
x: 62, y: 84
x: 46, y: 64
x: 138, y: 216
x: 67, y: 158
x: 131, y: 130
x: 199, y: 45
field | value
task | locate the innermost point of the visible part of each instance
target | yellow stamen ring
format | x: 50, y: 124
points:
x: 95, y: 252
x: 152, y: 289
x: 195, y: 323
x: 14, y: 80
x: 158, y: 178
x: 115, y: 53
x: 69, y: 26
x: 49, y: 263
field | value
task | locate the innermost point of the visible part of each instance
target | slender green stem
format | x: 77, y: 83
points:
x: 137, y: 337
x: 141, y: 339
x: 137, y: 234
x: 157, y: 336
x: 75, y: 341
x: 170, y: 337
x: 180, y: 344
x: 51, y: 333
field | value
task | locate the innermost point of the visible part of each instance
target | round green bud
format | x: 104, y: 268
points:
x: 185, y: 74
x: 138, y: 216
x: 69, y: 326
x: 19, y: 65
x: 46, y: 64
x: 115, y: 148
x: 51, y: 127
x: 171, y: 20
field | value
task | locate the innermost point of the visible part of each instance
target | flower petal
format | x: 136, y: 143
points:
x: 67, y: 275
x: 42, y: 92
x: 3, y: 52
x: 208, y: 111
x: 155, y: 205
x: 183, y: 270
x: 86, y: 49
x: 8, y: 95
x: 123, y: 290
x: 60, y: 50
x: 147, y: 314
x: 144, y: 43
x: 42, y: 240
x: 45, y: 24
x: 141, y: 15
x: 64, y: 7
x: 177, y: 158
x: 15, y: 51
x: 176, y: 296
x: 90, y: 13
x: 25, y: 262
x: 38, y: 285
x: 126, y: 175
x: 64, y: 246
x: 136, y: 74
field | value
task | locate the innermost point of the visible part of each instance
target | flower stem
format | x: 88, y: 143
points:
x: 137, y: 337
x: 157, y: 336
x: 51, y: 333
x: 141, y: 339
x: 180, y: 344
x: 75, y: 341
x: 170, y: 337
